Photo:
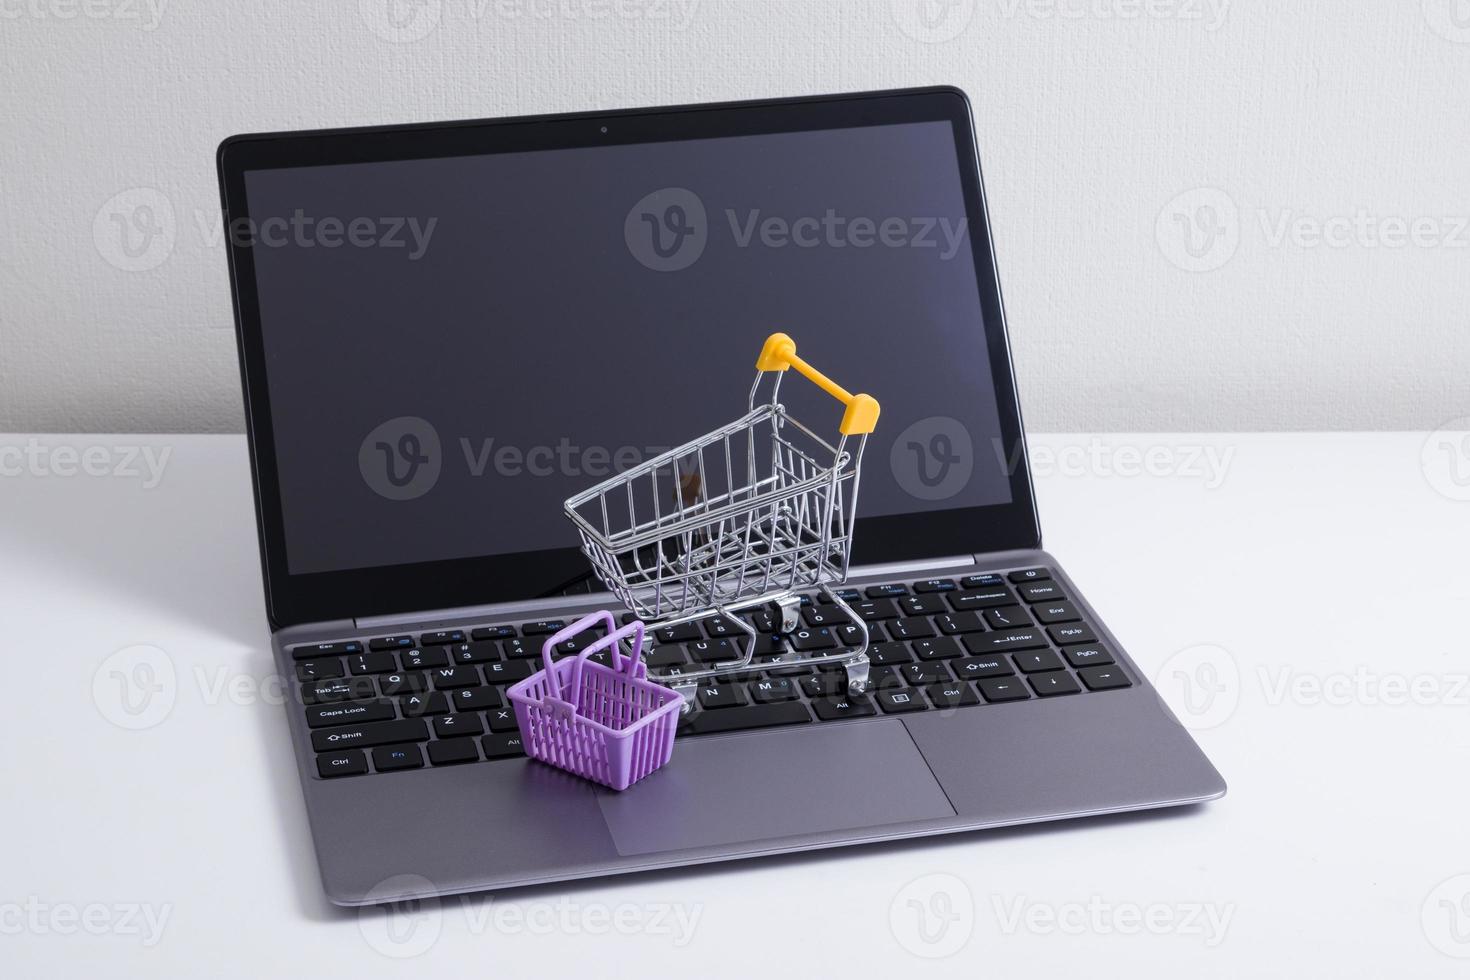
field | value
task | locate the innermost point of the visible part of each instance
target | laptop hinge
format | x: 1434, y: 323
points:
x: 528, y: 608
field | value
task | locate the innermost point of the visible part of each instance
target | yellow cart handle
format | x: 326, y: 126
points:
x: 861, y: 417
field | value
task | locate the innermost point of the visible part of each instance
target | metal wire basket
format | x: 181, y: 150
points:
x: 751, y: 513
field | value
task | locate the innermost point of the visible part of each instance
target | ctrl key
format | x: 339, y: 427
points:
x: 332, y: 764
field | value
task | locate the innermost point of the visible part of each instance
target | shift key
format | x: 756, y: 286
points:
x: 381, y: 733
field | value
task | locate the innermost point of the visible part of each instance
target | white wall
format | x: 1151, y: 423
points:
x: 1094, y: 117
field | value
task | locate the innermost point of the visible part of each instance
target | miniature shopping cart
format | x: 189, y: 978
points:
x: 749, y: 515
x: 608, y: 724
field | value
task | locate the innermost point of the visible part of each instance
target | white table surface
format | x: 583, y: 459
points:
x: 1303, y: 606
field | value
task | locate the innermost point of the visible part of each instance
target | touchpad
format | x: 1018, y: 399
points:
x: 766, y: 785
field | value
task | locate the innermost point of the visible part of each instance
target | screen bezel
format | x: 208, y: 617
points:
x: 381, y: 591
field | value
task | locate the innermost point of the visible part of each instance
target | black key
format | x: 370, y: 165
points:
x: 879, y: 679
x: 712, y: 651
x: 1008, y: 617
x: 1088, y: 656
x: 910, y: 628
x: 502, y: 720
x: 923, y: 605
x: 849, y: 634
x: 419, y: 705
x: 872, y: 610
x: 921, y: 674
x: 381, y: 733
x: 886, y: 591
x: 341, y: 689
x: 391, y: 643
x: 974, y: 668
x: 712, y: 696
x: 543, y: 627
x: 833, y: 709
x: 509, y: 671
x: 935, y: 585
x: 448, y: 678
x: 455, y: 726
x: 899, y: 702
x: 1042, y: 592
x: 313, y: 650
x: 502, y: 746
x: 816, y: 639
x: 1103, y: 678
x: 823, y: 615
x: 890, y: 653
x: 575, y: 644
x: 957, y: 695
x: 441, y: 637
x: 1030, y: 575
x: 846, y: 595
x: 453, y: 752
x: 823, y: 685
x: 371, y: 663
x: 719, y: 626
x: 474, y: 653
x: 417, y: 659
x: 1037, y: 661
x: 998, y: 689
x: 318, y: 670
x: 1007, y: 640
x: 517, y: 648
x: 403, y: 683
x: 493, y: 633
x: 1069, y: 635
x: 980, y: 599
x: 765, y: 620
x: 941, y: 648
x: 981, y: 581
x: 951, y: 624
x: 666, y: 656
x: 349, y: 713
x: 1057, y: 612
x: 475, y: 698
x: 1051, y: 685
x: 682, y: 633
x: 332, y: 764
x: 773, y: 690
x: 755, y: 716
x: 389, y: 758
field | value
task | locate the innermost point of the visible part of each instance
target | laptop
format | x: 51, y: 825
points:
x: 447, y: 330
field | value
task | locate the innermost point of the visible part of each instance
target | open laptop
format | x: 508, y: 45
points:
x: 447, y: 330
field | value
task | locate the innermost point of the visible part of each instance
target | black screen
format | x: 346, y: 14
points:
x: 456, y: 345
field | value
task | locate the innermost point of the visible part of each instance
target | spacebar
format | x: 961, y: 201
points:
x: 755, y: 716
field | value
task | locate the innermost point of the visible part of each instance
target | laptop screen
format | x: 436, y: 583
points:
x: 453, y: 346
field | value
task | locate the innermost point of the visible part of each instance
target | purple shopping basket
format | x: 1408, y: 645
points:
x: 608, y: 724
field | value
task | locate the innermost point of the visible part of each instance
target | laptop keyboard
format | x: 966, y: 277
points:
x: 392, y: 703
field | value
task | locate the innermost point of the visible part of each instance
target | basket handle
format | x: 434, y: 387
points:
x: 631, y: 664
x: 779, y: 353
